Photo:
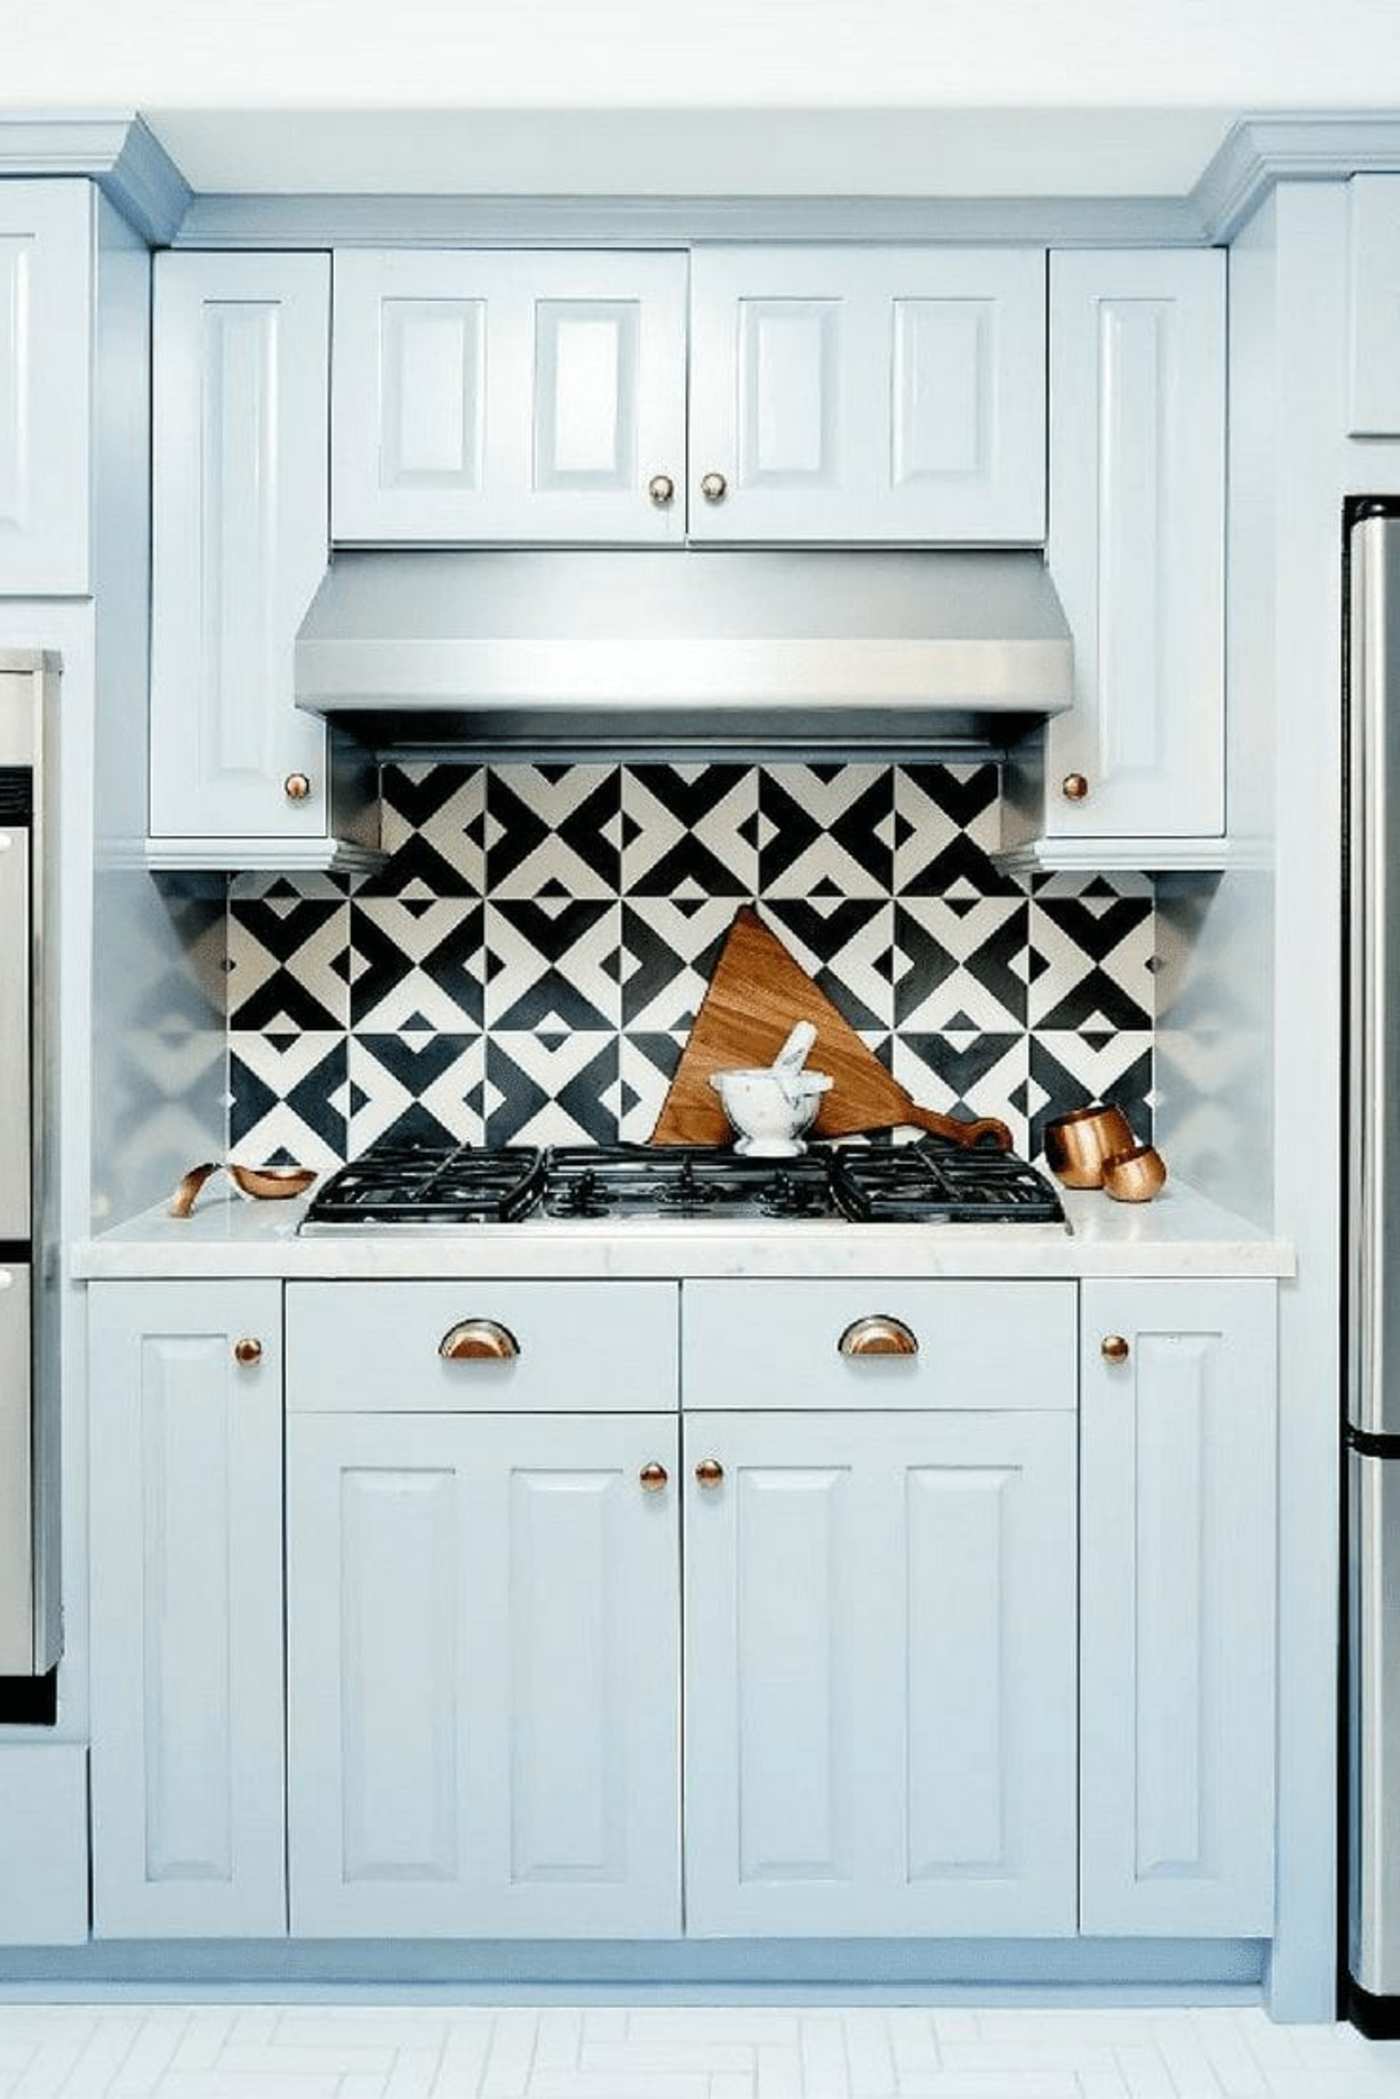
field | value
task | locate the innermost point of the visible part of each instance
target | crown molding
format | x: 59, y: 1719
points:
x: 115, y: 149
x: 1295, y: 146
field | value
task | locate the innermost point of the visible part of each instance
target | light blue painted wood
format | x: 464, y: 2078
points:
x: 607, y: 1347
x: 508, y: 397
x: 880, y: 1670
x: 868, y: 394
x: 186, y: 1604
x: 1373, y: 306
x: 1137, y: 541
x: 484, y: 1624
x: 43, y: 1844
x: 1178, y: 1567
x: 46, y: 303
x: 240, y: 525
x: 981, y: 1344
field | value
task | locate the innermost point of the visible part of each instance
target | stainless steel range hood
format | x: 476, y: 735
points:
x: 944, y: 651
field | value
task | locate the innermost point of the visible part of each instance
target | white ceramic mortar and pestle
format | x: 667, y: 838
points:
x: 772, y: 1105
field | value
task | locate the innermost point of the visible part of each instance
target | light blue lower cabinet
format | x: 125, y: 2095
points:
x: 880, y: 1725
x: 1179, y: 1569
x: 484, y: 1676
x: 185, y: 1409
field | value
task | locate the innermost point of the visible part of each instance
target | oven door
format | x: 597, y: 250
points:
x: 16, y: 1475
x: 16, y: 1064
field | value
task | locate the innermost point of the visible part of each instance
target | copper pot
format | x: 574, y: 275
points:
x: 1078, y: 1145
x: 1134, y: 1176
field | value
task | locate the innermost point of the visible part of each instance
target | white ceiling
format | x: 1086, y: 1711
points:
x: 638, y: 96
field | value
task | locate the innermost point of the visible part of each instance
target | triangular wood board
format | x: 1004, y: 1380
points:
x: 757, y: 992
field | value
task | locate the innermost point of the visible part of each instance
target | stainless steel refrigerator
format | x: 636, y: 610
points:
x: 1372, y: 1274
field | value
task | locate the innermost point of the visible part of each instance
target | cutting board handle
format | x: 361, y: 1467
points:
x: 966, y: 1134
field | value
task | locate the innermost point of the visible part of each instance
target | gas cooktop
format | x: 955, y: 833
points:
x: 931, y: 1182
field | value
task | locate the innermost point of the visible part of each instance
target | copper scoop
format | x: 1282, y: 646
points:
x: 267, y: 1183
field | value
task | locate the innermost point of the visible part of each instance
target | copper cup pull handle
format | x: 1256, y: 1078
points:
x: 183, y: 1200
x: 879, y: 1335
x: 478, y: 1341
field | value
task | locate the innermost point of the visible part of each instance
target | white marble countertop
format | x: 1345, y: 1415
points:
x: 1180, y: 1234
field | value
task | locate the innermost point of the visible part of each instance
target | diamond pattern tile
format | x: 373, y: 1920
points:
x: 531, y: 958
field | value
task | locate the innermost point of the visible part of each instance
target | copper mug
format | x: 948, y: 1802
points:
x: 1078, y: 1146
x: 1134, y: 1176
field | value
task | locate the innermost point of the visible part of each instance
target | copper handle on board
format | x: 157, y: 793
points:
x: 478, y: 1341
x: 881, y: 1334
x: 247, y: 1352
x: 709, y: 1472
x: 653, y: 1477
x: 1114, y: 1349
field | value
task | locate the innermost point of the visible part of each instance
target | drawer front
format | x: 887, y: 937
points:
x: 778, y: 1345
x: 378, y: 1347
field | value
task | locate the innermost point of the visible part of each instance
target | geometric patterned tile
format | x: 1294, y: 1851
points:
x: 961, y: 965
x: 288, y: 1099
x: 551, y: 1088
x: 554, y: 830
x: 690, y: 830
x: 553, y: 964
x: 647, y: 1065
x: 947, y: 821
x: 826, y: 830
x: 1093, y: 949
x: 288, y: 958
x: 969, y: 1073
x: 434, y: 831
x: 669, y: 950
x: 417, y: 964
x: 416, y: 1089
x: 1073, y: 1070
x: 847, y: 946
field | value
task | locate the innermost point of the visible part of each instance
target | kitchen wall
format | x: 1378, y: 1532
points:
x: 528, y: 964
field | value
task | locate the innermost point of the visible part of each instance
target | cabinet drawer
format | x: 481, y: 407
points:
x: 773, y: 1345
x: 377, y: 1348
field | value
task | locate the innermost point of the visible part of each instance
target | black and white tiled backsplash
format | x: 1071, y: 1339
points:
x: 527, y: 965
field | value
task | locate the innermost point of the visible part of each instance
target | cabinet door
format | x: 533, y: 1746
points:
x: 880, y: 1670
x: 1374, y: 305
x: 186, y: 1541
x: 242, y: 347
x: 1177, y: 1579
x: 1137, y: 541
x: 484, y: 1691
x: 46, y: 268
x: 868, y: 394
x: 499, y: 397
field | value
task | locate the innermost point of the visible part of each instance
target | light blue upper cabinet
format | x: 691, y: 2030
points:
x: 1137, y: 543
x: 498, y: 397
x: 1374, y: 305
x: 1178, y: 1564
x: 46, y: 278
x: 240, y: 528
x: 187, y: 1706
x: 863, y: 395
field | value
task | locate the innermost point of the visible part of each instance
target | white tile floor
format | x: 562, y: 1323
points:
x: 380, y: 2051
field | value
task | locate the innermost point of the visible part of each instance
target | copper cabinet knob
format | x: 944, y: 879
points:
x: 709, y: 1472
x: 713, y: 487
x: 653, y: 1477
x: 1114, y: 1349
x: 248, y: 1351
x: 881, y: 1334
x: 478, y: 1341
x: 1074, y: 787
x: 661, y: 488
x: 296, y: 787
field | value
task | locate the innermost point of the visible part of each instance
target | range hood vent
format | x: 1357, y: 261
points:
x: 680, y: 652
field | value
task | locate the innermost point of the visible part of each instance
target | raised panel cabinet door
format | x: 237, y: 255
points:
x: 498, y: 397
x: 880, y: 1674
x: 1178, y: 1616
x: 1373, y: 305
x: 867, y: 394
x: 185, y: 1387
x: 240, y: 520
x: 46, y: 278
x: 1137, y: 541
x: 484, y: 1693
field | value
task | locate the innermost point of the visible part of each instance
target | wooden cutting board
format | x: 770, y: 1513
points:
x: 755, y: 996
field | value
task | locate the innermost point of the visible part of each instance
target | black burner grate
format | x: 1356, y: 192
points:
x: 934, y: 1181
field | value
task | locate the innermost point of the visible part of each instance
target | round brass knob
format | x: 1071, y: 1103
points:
x: 714, y: 488
x: 1113, y: 1348
x: 709, y: 1472
x: 653, y: 1477
x: 296, y: 787
x: 1074, y: 787
x: 247, y: 1351
x: 661, y: 488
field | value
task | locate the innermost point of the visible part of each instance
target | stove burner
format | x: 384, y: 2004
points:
x: 930, y: 1182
